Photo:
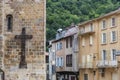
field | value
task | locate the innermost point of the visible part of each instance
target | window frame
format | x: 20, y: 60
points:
x: 85, y: 76
x: 113, y: 54
x: 83, y: 41
x: 69, y: 60
x: 104, y: 55
x: 113, y: 36
x: 9, y: 18
x: 71, y: 40
x: 113, y: 22
x: 104, y: 24
x: 91, y: 40
x: 67, y: 42
x: 104, y: 38
x: 91, y: 27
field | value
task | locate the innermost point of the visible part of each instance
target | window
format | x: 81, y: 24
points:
x: 69, y: 60
x: 104, y: 55
x: 85, y: 76
x: 103, y: 24
x: 59, y: 61
x: 83, y: 41
x: 113, y: 22
x: 70, y: 41
x: 91, y: 27
x: 59, y: 46
x: 113, y: 54
x: 9, y: 22
x: 113, y: 36
x: 47, y: 59
x: 91, y: 40
x: 103, y: 38
x: 67, y: 43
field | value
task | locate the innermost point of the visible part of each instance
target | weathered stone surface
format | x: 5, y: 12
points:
x: 31, y: 15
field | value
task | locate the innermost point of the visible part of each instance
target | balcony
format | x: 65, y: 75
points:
x: 107, y: 64
x: 87, y: 32
x: 86, y: 65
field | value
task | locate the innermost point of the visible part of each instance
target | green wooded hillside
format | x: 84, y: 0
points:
x: 61, y: 13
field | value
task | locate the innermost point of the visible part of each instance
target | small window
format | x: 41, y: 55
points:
x: 113, y: 36
x: 83, y: 41
x: 91, y: 40
x: 67, y: 43
x: 59, y: 45
x: 47, y: 59
x: 9, y: 22
x: 104, y: 38
x: 69, y: 60
x: 103, y: 24
x: 85, y: 76
x: 71, y: 41
x: 91, y: 27
x: 113, y: 21
x: 104, y: 55
x: 113, y: 54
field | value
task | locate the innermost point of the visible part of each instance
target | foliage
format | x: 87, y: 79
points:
x: 61, y: 13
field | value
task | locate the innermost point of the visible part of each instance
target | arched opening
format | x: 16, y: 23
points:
x: 9, y: 22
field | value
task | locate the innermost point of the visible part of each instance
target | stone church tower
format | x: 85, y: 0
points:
x: 22, y: 39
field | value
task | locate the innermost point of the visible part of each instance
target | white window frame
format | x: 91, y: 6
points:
x: 58, y: 45
x: 57, y: 61
x: 104, y: 38
x: 103, y: 24
x: 113, y: 55
x: 60, y: 63
x: 113, y: 36
x: 83, y: 41
x: 113, y: 25
x: 91, y: 27
x: 91, y: 40
x: 104, y: 55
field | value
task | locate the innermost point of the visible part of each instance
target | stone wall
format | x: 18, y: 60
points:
x: 31, y: 15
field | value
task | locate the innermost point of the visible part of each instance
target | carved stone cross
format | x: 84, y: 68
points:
x: 23, y: 37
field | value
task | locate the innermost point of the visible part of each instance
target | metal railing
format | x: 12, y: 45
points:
x: 107, y: 63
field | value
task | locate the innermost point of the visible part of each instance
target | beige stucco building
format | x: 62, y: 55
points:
x: 65, y: 47
x: 99, y: 48
x: 22, y: 39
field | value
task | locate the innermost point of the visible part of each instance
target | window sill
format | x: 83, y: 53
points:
x: 103, y: 43
x: 9, y: 32
x: 83, y: 45
x: 113, y: 26
x: 113, y: 42
x: 103, y: 29
x: 91, y: 44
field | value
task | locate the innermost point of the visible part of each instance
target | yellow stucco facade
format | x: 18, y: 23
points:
x: 98, y: 45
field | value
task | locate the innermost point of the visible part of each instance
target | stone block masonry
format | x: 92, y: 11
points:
x: 28, y: 14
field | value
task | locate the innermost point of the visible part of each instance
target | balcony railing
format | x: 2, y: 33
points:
x: 107, y: 64
x: 87, y: 32
x: 86, y: 65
